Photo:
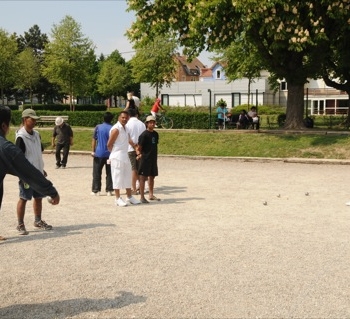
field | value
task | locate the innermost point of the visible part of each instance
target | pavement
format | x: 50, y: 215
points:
x: 230, y: 238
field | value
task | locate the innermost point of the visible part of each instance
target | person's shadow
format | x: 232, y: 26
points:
x: 69, y: 308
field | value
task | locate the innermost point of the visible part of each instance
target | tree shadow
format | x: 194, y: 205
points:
x: 69, y: 308
x: 318, y: 140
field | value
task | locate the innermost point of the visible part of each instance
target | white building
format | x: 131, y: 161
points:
x: 213, y: 86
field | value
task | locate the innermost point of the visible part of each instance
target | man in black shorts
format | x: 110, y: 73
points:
x: 147, y: 154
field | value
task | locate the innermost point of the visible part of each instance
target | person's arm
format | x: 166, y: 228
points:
x: 127, y: 105
x: 20, y: 144
x: 70, y: 136
x: 93, y: 146
x: 19, y: 166
x: 54, y: 134
x: 112, y: 137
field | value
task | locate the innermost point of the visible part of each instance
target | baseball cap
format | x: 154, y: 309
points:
x: 30, y: 113
x: 150, y: 118
x: 59, y: 120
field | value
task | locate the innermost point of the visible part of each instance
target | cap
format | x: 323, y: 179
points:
x: 150, y: 118
x: 30, y: 113
x: 59, y: 120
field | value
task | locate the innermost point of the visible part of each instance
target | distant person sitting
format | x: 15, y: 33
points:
x: 253, y: 118
x: 243, y: 120
x: 223, y: 115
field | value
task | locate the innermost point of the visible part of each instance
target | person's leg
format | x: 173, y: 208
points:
x: 151, y: 186
x: 58, y: 155
x: 109, y: 183
x: 96, y: 174
x: 142, y: 180
x: 37, y: 207
x: 21, y: 209
x: 134, y: 175
x: 66, y: 148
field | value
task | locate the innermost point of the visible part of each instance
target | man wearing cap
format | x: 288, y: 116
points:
x: 147, y: 154
x: 13, y: 161
x: 62, y: 139
x: 28, y: 140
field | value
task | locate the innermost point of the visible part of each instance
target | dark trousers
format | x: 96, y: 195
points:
x: 65, y: 149
x: 97, y: 168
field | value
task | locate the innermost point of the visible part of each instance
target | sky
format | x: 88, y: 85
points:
x: 104, y: 22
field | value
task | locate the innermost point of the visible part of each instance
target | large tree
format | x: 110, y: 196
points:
x: 8, y: 61
x: 290, y: 36
x: 69, y: 59
x: 154, y: 61
x: 28, y: 75
x: 241, y: 60
x: 113, y: 79
x: 336, y: 67
x: 36, y: 41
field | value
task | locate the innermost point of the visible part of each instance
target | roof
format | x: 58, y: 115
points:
x: 192, y: 68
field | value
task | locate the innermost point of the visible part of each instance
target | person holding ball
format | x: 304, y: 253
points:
x: 14, y: 162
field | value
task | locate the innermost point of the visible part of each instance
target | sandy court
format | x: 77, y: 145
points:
x: 209, y: 249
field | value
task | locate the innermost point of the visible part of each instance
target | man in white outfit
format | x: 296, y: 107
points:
x: 136, y: 127
x: 118, y: 143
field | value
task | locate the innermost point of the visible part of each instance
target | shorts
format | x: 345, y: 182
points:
x: 26, y: 192
x: 134, y: 162
x: 121, y: 174
x: 148, y: 168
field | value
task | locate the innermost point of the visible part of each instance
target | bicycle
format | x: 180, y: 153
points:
x: 161, y: 120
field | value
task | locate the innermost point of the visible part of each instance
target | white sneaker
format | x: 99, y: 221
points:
x: 133, y: 201
x: 120, y: 202
x: 109, y: 193
x: 95, y: 194
x: 347, y: 204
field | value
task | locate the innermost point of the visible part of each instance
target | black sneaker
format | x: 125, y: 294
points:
x: 22, y: 229
x: 42, y: 225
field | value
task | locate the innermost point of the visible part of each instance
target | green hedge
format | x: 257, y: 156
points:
x: 184, y: 118
x: 65, y: 107
x: 85, y: 119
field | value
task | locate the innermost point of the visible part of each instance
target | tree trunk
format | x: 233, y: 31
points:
x: 249, y: 83
x: 295, y: 107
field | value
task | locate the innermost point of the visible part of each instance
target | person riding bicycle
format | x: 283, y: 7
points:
x: 156, y: 107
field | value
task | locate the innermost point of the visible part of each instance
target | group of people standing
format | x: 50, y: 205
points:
x: 128, y: 150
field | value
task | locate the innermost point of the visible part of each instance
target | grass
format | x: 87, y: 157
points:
x: 230, y: 143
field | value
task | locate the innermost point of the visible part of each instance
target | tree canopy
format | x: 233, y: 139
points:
x: 8, y: 61
x: 154, y: 61
x: 291, y: 37
x: 69, y: 58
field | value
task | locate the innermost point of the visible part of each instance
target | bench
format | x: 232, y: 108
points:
x: 50, y: 119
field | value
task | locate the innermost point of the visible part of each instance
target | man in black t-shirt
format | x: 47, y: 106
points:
x: 148, y: 150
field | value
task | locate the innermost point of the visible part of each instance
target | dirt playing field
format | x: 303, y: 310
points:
x: 229, y: 239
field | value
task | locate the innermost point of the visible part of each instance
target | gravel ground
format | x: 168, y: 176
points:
x: 210, y: 249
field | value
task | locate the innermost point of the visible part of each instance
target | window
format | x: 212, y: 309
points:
x: 283, y: 86
x: 218, y: 74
